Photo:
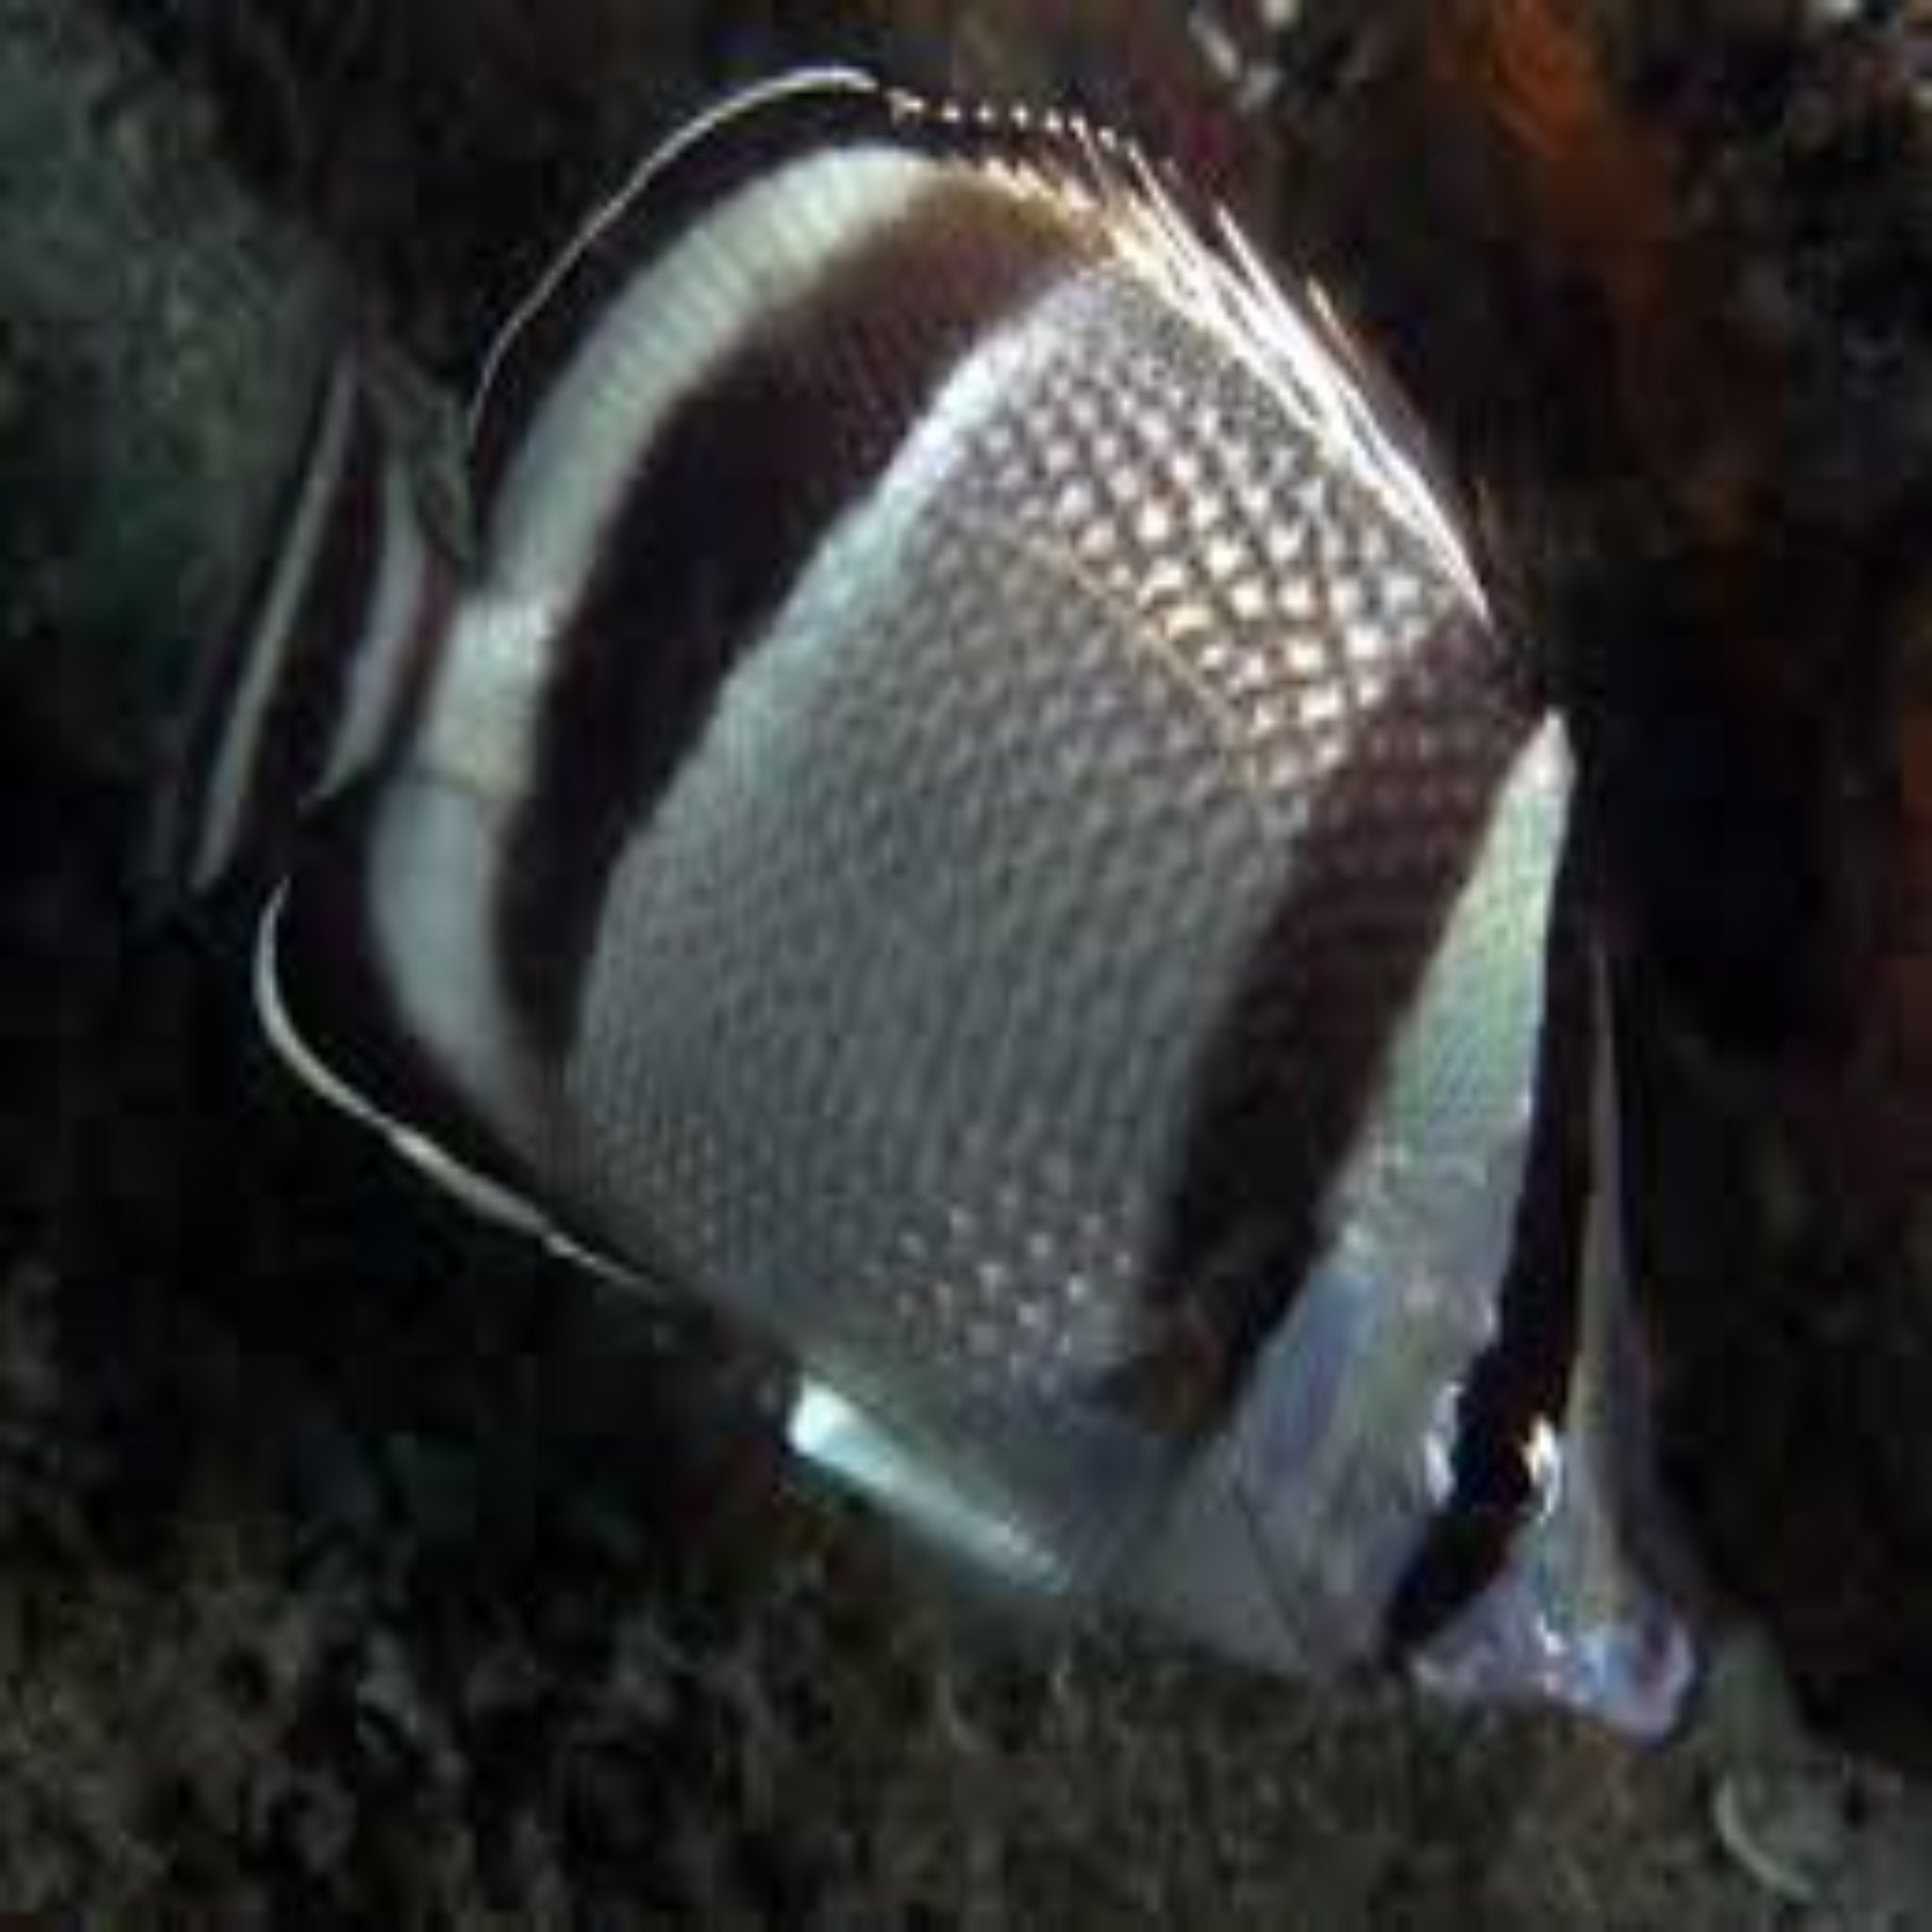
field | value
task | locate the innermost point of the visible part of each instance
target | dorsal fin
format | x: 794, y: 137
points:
x: 702, y: 165
x: 1104, y: 191
x: 370, y: 998
x: 1284, y: 328
x: 728, y: 358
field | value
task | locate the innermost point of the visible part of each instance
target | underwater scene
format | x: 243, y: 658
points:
x: 967, y: 963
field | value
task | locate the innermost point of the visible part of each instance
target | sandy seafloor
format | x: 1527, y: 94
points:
x: 360, y: 1569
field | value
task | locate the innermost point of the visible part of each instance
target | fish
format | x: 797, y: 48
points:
x: 963, y: 805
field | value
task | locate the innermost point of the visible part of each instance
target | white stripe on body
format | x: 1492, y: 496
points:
x: 434, y: 859
x: 667, y: 336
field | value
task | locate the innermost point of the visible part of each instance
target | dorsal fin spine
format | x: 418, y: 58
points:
x: 1199, y: 253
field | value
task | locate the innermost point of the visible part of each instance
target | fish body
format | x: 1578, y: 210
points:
x: 968, y: 810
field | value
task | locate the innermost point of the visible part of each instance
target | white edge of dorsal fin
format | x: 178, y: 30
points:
x: 689, y: 134
x: 487, y: 1200
x: 1186, y: 245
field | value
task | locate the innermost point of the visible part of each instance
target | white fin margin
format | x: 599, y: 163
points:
x: 735, y: 106
x: 655, y: 344
x: 488, y: 1199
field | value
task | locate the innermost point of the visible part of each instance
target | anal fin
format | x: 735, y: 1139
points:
x: 333, y: 968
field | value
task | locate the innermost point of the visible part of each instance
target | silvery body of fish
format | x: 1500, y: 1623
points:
x: 967, y: 810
